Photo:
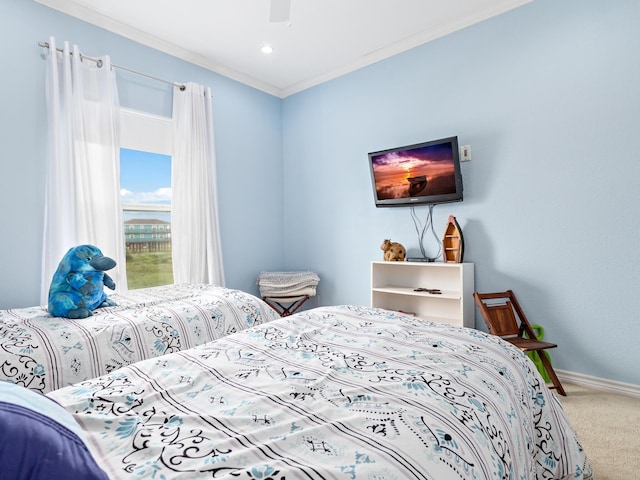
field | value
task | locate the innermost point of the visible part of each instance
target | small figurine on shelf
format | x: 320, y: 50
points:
x: 393, y: 251
x: 453, y: 242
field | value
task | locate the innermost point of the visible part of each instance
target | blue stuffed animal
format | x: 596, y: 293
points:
x: 77, y: 287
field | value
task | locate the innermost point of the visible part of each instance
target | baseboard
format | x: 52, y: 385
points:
x: 599, y: 383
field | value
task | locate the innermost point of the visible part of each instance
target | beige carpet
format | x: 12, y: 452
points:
x: 608, y: 426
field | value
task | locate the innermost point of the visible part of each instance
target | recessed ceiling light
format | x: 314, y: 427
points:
x: 266, y: 49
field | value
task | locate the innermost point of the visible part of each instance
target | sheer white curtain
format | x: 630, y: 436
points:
x: 83, y: 169
x: 195, y: 234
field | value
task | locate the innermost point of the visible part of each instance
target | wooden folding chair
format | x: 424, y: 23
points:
x: 506, y: 319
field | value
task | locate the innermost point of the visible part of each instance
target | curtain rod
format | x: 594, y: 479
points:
x: 99, y: 63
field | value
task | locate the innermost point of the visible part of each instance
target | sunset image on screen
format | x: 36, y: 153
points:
x: 415, y: 172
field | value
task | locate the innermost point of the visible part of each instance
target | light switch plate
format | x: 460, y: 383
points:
x: 465, y: 153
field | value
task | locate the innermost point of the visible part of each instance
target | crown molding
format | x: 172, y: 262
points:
x: 80, y: 12
x: 76, y: 10
x: 400, y: 47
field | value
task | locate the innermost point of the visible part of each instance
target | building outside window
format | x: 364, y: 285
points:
x: 145, y: 182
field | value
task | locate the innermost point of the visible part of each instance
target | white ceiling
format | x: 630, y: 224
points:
x: 323, y: 39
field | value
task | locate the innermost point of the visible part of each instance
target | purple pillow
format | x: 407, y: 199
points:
x: 41, y: 440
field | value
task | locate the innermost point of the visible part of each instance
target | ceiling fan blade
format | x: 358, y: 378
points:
x: 279, y: 11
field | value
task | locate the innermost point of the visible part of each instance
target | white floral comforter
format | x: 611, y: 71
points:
x: 331, y: 393
x: 43, y: 353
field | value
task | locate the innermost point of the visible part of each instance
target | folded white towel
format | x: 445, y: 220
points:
x: 287, y: 283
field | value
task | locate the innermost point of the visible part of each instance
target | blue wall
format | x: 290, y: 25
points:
x: 247, y: 126
x: 547, y: 96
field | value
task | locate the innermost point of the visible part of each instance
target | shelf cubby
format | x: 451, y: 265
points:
x: 393, y: 287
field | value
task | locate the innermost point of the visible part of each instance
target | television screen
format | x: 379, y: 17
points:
x: 424, y: 173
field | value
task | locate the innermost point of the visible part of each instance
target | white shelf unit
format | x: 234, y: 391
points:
x: 393, y: 284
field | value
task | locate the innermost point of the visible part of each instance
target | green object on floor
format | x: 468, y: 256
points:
x: 539, y: 331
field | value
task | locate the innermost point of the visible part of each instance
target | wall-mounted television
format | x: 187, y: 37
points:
x: 426, y: 173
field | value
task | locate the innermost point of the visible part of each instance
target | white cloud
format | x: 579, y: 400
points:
x: 161, y: 195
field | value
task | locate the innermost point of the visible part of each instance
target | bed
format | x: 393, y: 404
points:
x: 44, y: 353
x: 341, y: 392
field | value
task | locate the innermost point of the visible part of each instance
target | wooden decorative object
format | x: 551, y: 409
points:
x: 452, y: 242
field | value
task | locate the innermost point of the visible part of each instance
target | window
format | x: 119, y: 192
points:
x: 145, y: 182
